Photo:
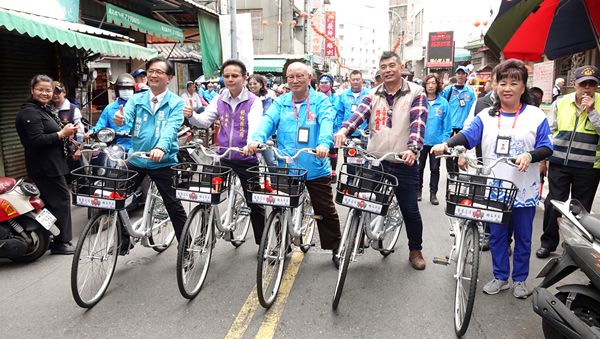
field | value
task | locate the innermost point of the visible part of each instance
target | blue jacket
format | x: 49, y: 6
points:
x: 107, y: 120
x: 152, y: 130
x: 458, y: 114
x: 437, y: 129
x: 281, y: 118
x: 208, y: 96
x: 346, y: 100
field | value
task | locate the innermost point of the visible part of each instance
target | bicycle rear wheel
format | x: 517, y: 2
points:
x: 308, y: 224
x: 345, y: 252
x: 163, y: 232
x: 467, y: 269
x: 240, y: 218
x: 194, y: 252
x: 394, y: 221
x: 95, y: 258
x: 271, y: 261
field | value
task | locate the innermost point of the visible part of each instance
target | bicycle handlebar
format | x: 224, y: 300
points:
x: 350, y: 144
x: 282, y: 156
x: 459, y: 151
x: 198, y: 144
x: 102, y: 147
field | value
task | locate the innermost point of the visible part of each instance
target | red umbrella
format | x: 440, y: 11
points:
x: 527, y: 29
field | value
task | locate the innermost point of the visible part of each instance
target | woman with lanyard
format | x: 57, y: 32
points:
x: 256, y: 85
x: 513, y: 128
x: 46, y: 143
x: 436, y: 131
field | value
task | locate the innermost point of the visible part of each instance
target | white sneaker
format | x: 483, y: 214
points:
x: 520, y: 290
x: 495, y: 286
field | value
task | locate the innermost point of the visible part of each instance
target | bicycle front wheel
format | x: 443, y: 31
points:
x: 163, y: 233
x: 240, y: 219
x: 271, y: 261
x: 467, y: 269
x: 344, y: 253
x: 95, y: 258
x: 194, y: 252
x: 393, y: 223
x: 308, y: 224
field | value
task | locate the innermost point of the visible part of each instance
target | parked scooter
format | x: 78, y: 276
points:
x: 25, y: 225
x: 574, y: 312
x: 110, y: 137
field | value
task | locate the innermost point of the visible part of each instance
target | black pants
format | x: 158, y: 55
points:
x: 452, y: 163
x: 582, y: 183
x: 321, y: 197
x: 162, y: 177
x: 257, y: 212
x: 55, y: 194
x: 434, y: 167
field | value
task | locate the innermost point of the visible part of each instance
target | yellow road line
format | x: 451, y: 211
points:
x: 239, y: 326
x: 272, y: 316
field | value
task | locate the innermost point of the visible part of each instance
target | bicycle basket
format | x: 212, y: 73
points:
x: 102, y: 187
x: 206, y: 184
x: 480, y: 198
x: 368, y: 190
x: 282, y: 188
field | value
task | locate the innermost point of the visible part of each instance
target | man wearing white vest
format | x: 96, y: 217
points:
x: 396, y: 112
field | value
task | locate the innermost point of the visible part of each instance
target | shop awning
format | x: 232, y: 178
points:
x: 60, y: 31
x: 140, y: 23
x: 460, y: 55
x: 269, y: 65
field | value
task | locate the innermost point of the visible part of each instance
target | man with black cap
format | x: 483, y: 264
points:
x: 574, y: 167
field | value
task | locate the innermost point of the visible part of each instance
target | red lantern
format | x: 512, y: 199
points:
x: 485, y: 22
x: 476, y: 23
x: 264, y: 23
x: 303, y: 14
x: 293, y: 23
x: 279, y: 23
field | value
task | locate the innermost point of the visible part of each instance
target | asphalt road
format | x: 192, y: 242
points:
x: 383, y: 297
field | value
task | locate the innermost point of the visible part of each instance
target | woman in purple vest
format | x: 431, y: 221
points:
x: 238, y: 111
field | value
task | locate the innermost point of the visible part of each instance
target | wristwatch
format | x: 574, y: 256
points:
x: 414, y: 149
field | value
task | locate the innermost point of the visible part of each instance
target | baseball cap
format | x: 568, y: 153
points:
x: 138, y: 72
x: 462, y: 68
x: 588, y: 72
x: 61, y: 87
x: 377, y: 74
x: 325, y: 78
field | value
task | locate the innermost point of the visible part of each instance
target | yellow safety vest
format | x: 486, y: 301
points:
x: 576, y: 142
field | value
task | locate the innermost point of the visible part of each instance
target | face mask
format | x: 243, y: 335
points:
x: 324, y: 88
x: 125, y: 94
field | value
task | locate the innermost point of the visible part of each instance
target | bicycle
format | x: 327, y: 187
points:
x: 207, y: 185
x: 470, y: 201
x: 366, y: 192
x: 111, y: 190
x: 285, y: 192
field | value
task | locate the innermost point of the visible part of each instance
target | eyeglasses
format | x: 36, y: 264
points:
x: 41, y: 90
x: 299, y: 77
x: 587, y: 83
x: 156, y: 71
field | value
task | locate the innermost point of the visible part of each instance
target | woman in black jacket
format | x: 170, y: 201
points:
x: 45, y: 140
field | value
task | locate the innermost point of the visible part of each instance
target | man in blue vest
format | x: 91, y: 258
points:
x: 460, y: 99
x: 574, y: 167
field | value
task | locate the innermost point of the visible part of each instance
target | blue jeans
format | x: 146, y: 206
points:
x: 406, y: 194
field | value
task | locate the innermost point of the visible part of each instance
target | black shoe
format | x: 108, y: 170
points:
x: 126, y: 246
x: 63, y: 248
x: 542, y: 253
x: 336, y: 260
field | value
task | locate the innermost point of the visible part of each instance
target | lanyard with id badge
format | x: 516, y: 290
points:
x: 461, y: 101
x: 303, y: 132
x: 503, y: 142
x: 355, y: 103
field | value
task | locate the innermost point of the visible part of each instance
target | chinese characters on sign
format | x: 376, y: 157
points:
x: 330, y: 31
x: 440, y: 49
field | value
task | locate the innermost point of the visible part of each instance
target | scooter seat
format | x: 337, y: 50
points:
x: 591, y: 222
x: 6, y: 183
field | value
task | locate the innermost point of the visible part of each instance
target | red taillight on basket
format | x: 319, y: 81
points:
x: 466, y: 202
x: 37, y: 203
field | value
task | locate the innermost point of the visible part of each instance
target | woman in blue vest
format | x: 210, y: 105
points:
x: 437, y: 130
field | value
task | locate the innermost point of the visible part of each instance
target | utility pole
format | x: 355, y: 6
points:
x: 232, y: 15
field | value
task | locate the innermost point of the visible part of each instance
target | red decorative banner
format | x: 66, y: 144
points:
x: 330, y: 31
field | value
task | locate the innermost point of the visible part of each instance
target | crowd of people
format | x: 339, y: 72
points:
x: 418, y: 120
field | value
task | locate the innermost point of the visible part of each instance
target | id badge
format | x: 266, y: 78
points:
x: 353, y: 108
x: 503, y: 145
x: 462, y: 102
x: 303, y: 133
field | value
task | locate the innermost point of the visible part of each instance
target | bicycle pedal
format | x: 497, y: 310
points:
x: 317, y: 217
x: 441, y: 261
x: 451, y: 233
x: 395, y: 220
x: 161, y: 216
x: 244, y: 211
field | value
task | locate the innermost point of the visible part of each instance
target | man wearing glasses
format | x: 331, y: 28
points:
x: 238, y: 111
x: 156, y: 115
x: 574, y: 168
x: 304, y: 118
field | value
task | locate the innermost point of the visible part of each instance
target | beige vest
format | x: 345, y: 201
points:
x: 383, y: 139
